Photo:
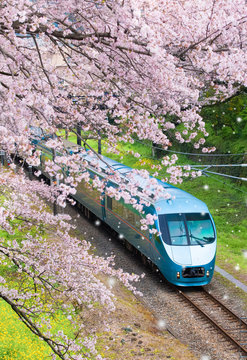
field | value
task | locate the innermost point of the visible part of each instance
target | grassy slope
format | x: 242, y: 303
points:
x: 16, y: 341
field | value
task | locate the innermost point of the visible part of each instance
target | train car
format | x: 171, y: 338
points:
x: 184, y: 247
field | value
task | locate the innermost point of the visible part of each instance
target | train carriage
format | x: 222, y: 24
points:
x: 183, y: 249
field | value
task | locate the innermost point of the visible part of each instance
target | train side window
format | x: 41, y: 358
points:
x: 130, y: 217
x: 118, y: 208
x: 134, y: 220
x: 137, y: 221
x: 109, y: 202
x: 96, y: 194
x: 164, y: 229
x: 88, y: 190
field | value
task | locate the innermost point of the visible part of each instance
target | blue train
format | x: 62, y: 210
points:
x: 184, y: 249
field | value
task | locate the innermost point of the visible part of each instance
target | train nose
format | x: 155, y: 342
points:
x: 181, y: 255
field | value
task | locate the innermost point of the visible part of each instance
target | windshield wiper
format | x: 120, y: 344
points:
x: 196, y: 239
x: 209, y: 238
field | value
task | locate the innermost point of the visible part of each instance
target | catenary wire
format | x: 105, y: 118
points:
x: 225, y: 175
x: 215, y: 165
x: 187, y: 153
x: 223, y: 182
x: 205, y: 173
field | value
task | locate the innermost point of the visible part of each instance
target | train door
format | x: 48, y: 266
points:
x: 103, y: 205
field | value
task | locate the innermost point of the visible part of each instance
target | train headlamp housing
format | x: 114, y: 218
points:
x: 178, y: 275
x: 193, y: 272
x: 207, y: 273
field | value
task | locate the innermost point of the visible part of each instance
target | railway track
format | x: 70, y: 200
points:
x: 232, y: 327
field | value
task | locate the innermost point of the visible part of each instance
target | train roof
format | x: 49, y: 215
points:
x: 180, y: 200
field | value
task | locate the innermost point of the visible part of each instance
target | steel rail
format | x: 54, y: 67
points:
x: 217, y: 301
x: 213, y: 322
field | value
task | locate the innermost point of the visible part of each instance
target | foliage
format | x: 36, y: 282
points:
x: 16, y: 340
x: 225, y: 114
x: 228, y: 121
x: 39, y: 286
x: 116, y: 68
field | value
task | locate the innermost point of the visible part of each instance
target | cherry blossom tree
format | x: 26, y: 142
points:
x: 44, y: 270
x: 121, y: 68
x: 139, y: 59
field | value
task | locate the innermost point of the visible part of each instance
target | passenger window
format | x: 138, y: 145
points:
x: 109, y: 202
x: 129, y: 216
x: 118, y: 208
x: 87, y: 189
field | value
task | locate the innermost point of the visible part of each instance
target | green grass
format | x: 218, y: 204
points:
x: 16, y: 340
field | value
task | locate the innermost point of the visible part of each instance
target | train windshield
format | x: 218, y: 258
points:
x: 177, y: 229
x: 200, y: 229
x: 187, y: 229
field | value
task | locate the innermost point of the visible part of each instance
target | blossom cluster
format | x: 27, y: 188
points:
x: 122, y: 70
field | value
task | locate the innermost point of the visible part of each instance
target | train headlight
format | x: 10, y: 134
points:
x: 178, y: 275
x: 207, y: 273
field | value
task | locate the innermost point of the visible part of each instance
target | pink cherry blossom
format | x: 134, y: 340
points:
x: 124, y: 70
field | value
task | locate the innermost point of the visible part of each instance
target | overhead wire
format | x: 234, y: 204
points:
x: 188, y: 153
x: 225, y: 183
x: 207, y: 165
x: 205, y: 171
x: 211, y: 172
x: 224, y: 175
x: 215, y: 165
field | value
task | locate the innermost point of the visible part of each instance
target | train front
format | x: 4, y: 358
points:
x: 187, y: 240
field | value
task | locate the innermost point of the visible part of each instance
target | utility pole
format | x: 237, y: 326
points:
x: 30, y: 172
x: 78, y: 130
x: 2, y: 156
x: 99, y: 142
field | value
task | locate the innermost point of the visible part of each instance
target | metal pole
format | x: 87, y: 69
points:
x: 78, y: 130
x: 30, y: 172
x: 99, y: 142
x: 54, y: 182
x: 2, y: 155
